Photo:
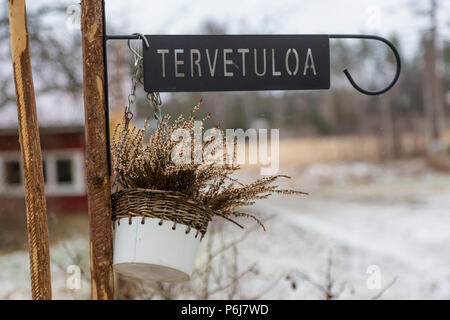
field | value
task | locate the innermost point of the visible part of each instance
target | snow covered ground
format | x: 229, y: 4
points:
x: 15, y: 277
x: 395, y: 217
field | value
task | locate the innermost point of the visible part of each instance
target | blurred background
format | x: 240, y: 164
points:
x: 376, y: 222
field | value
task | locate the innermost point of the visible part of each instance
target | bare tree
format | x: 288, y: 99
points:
x: 431, y: 81
x: 55, y: 52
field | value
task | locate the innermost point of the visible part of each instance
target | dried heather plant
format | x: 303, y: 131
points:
x: 150, y: 166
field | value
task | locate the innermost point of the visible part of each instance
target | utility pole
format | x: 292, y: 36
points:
x: 97, y: 162
x: 30, y: 145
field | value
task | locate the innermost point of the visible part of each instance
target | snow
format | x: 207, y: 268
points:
x: 15, y: 276
x: 404, y: 241
x: 394, y: 216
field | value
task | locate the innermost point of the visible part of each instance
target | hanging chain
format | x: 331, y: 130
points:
x: 153, y: 98
x: 138, y: 66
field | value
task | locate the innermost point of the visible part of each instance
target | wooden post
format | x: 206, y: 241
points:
x: 30, y: 146
x: 97, y: 163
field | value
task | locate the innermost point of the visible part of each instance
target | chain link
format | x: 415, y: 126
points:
x: 153, y: 98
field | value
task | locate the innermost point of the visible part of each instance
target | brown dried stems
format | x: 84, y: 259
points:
x: 150, y: 166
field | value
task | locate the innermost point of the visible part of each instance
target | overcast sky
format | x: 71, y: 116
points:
x: 382, y: 17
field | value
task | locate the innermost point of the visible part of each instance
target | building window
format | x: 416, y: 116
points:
x: 64, y: 171
x: 12, y: 172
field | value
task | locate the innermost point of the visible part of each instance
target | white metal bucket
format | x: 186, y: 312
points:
x: 154, y: 252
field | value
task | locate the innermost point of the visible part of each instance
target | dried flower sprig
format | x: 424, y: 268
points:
x: 150, y: 166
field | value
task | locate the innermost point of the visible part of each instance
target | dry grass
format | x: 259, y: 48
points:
x: 305, y: 151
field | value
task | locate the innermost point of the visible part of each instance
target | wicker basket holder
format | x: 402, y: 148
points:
x: 157, y: 233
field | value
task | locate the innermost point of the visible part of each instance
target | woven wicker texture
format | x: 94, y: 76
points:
x: 165, y: 205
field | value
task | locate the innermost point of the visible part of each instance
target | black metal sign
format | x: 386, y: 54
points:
x: 187, y: 63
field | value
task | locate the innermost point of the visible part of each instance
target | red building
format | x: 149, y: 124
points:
x: 63, y: 164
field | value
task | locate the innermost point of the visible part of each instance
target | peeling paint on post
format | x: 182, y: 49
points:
x: 30, y: 146
x: 97, y: 166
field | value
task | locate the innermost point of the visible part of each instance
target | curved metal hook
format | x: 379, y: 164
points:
x: 143, y: 37
x: 394, y: 50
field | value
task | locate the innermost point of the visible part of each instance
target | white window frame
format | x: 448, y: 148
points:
x: 52, y: 187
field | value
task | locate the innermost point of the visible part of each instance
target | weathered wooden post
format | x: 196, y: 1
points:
x: 30, y: 146
x: 97, y: 163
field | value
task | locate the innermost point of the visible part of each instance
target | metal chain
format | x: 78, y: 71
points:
x: 153, y: 98
x: 134, y: 82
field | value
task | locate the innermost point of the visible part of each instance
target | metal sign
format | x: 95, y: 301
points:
x: 187, y: 63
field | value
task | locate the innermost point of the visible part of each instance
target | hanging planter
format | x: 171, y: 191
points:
x: 157, y: 233
x: 161, y: 208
